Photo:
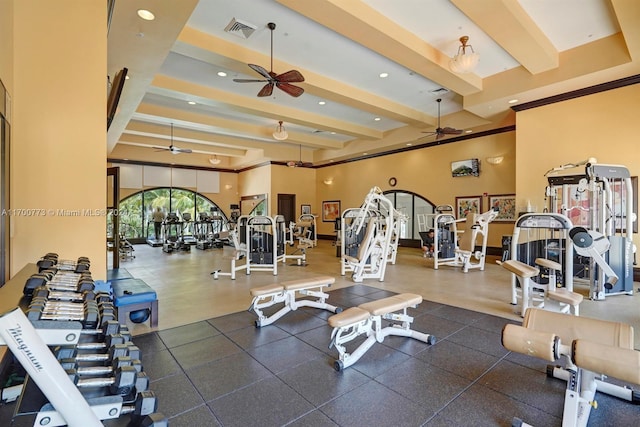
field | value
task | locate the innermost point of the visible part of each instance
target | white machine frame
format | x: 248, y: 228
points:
x: 477, y: 225
x: 380, y: 244
x: 286, y: 293
x: 29, y: 347
x: 271, y: 225
x: 607, y: 214
x: 557, y: 226
x: 591, y: 349
x: 367, y: 319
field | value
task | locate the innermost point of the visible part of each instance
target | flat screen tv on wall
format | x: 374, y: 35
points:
x: 114, y: 95
x: 469, y: 167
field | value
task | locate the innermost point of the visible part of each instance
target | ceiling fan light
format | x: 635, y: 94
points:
x: 214, y: 160
x: 466, y: 60
x: 280, y: 133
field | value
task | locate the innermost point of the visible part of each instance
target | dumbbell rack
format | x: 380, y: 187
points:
x: 49, y: 396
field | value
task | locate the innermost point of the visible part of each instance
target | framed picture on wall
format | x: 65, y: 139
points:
x: 505, y: 205
x: 468, y: 204
x: 330, y: 210
x: 305, y: 209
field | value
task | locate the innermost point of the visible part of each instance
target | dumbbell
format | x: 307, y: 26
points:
x: 123, y: 381
x: 51, y: 261
x: 118, y: 350
x: 46, y: 292
x: 106, y: 343
x: 146, y: 403
x: 90, y: 314
x: 69, y: 364
x: 65, y: 277
x: 48, y: 260
x: 79, y: 284
x: 154, y: 420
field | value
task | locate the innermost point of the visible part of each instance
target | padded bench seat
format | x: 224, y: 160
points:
x: 134, y: 294
x: 286, y: 293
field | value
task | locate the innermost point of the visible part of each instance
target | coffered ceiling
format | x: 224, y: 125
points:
x: 529, y: 49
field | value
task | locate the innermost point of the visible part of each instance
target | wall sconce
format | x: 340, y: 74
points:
x: 466, y: 59
x: 495, y: 160
x: 280, y: 133
x: 228, y: 186
x: 214, y: 160
x: 328, y: 181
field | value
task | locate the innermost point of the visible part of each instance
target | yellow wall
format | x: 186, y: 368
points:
x: 298, y: 181
x: 257, y: 181
x: 426, y: 172
x: 59, y: 131
x: 602, y: 125
x: 6, y: 44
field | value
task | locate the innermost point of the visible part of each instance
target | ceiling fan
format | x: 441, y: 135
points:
x: 441, y: 132
x: 172, y: 148
x: 281, y: 81
x: 299, y: 163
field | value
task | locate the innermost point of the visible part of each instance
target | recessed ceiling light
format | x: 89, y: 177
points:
x: 191, y: 102
x: 468, y: 131
x: 146, y: 15
x: 222, y: 74
x: 364, y: 154
x: 383, y: 75
x: 333, y: 133
x: 321, y: 102
x: 513, y: 101
x: 377, y: 119
x: 409, y: 144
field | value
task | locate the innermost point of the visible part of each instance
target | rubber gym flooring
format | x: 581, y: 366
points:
x: 225, y: 372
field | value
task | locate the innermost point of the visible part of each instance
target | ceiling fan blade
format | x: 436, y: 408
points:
x: 248, y: 80
x: 451, y: 131
x: 260, y: 70
x: 266, y: 90
x: 290, y: 89
x: 292, y: 76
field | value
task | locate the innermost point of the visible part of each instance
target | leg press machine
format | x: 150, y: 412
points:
x: 366, y: 319
x: 592, y: 350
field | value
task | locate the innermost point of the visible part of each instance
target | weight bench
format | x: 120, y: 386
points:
x: 592, y: 350
x: 285, y: 292
x: 134, y: 294
x: 548, y: 296
x: 367, y: 319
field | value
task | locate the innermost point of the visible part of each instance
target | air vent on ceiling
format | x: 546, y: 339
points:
x: 240, y: 28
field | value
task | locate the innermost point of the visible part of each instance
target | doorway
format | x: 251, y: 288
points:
x: 287, y: 207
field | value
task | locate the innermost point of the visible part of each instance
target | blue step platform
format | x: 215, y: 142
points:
x: 132, y: 295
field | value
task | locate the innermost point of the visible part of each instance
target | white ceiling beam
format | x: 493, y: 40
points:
x: 256, y: 106
x: 198, y: 45
x: 368, y: 27
x: 516, y: 32
x: 213, y: 124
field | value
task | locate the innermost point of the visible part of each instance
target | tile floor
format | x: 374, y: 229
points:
x: 210, y: 366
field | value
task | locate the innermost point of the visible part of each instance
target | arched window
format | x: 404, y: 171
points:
x: 416, y: 208
x: 135, y: 210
